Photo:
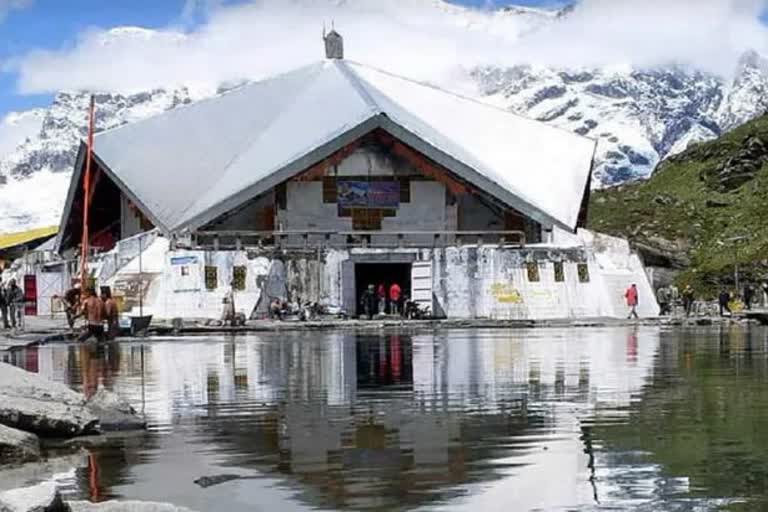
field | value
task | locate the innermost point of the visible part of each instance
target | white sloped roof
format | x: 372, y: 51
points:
x: 190, y: 165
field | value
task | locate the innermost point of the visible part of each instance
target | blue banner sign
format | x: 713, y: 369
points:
x: 184, y: 260
x: 369, y: 194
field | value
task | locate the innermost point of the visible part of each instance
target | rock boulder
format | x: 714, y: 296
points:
x: 17, y: 446
x: 114, y: 412
x: 49, y: 409
x: 39, y: 498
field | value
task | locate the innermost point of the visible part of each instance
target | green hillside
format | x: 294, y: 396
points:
x: 701, y: 211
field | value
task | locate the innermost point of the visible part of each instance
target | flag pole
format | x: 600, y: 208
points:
x: 86, y: 199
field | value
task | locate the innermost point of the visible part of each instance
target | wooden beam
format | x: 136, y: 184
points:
x: 318, y: 170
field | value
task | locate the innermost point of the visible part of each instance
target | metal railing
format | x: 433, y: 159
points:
x: 310, y: 239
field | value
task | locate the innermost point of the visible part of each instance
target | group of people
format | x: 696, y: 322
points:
x: 666, y: 296
x: 748, y: 296
x: 96, y: 311
x: 670, y: 296
x: 12, y: 305
x: 376, y: 299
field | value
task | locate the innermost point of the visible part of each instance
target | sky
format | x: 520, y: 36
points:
x: 49, y: 45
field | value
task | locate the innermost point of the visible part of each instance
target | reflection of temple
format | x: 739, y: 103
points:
x: 373, y: 421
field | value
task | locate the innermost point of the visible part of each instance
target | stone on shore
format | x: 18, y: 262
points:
x: 16, y: 476
x: 49, y: 409
x: 39, y: 498
x: 125, y: 506
x: 18, y: 446
x: 114, y: 412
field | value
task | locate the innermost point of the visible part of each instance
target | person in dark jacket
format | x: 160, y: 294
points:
x: 14, y: 296
x: 688, y: 299
x: 749, y: 294
x: 723, y: 299
x: 368, y: 302
x: 4, y: 306
x: 72, y: 301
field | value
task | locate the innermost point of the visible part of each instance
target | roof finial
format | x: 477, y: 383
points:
x: 334, y: 43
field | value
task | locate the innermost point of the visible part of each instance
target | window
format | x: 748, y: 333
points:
x: 533, y: 271
x: 405, y: 190
x: 281, y: 196
x: 559, y: 272
x: 211, y: 277
x: 330, y: 190
x: 583, y: 270
x: 238, y: 278
x: 366, y: 219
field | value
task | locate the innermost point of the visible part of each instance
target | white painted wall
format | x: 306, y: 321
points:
x: 306, y: 211
x: 468, y: 281
x: 488, y: 282
x: 177, y: 281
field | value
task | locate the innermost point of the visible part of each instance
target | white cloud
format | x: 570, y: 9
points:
x: 426, y: 39
x: 7, y: 6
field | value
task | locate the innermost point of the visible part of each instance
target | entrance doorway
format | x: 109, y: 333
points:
x: 381, y: 273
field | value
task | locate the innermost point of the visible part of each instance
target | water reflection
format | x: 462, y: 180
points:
x: 468, y: 420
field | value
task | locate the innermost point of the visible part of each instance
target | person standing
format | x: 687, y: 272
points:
x: 14, y: 296
x: 749, y: 294
x: 381, y: 295
x: 394, y: 298
x: 4, y: 306
x: 663, y: 298
x: 229, y: 314
x: 688, y: 298
x: 764, y: 288
x: 93, y: 310
x: 368, y: 302
x: 723, y: 299
x: 111, y: 314
x: 72, y: 304
x: 631, y: 296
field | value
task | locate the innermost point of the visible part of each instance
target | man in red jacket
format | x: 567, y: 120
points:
x: 394, y: 299
x: 381, y: 295
x: 632, y: 299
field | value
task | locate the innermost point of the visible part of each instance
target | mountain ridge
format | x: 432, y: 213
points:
x: 639, y: 116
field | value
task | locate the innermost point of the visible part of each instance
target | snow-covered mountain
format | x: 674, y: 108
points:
x: 639, y: 116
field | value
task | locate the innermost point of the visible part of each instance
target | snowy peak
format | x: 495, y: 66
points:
x: 747, y: 95
x: 638, y: 116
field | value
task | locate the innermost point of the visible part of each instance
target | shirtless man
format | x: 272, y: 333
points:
x: 93, y: 311
x: 111, y: 314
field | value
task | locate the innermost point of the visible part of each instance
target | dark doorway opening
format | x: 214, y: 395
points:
x: 381, y: 273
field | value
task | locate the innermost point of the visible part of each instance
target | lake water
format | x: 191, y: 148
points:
x: 632, y: 418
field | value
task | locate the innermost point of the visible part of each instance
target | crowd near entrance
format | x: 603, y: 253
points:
x: 391, y: 284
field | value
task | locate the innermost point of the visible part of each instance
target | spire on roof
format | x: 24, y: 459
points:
x: 334, y: 44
